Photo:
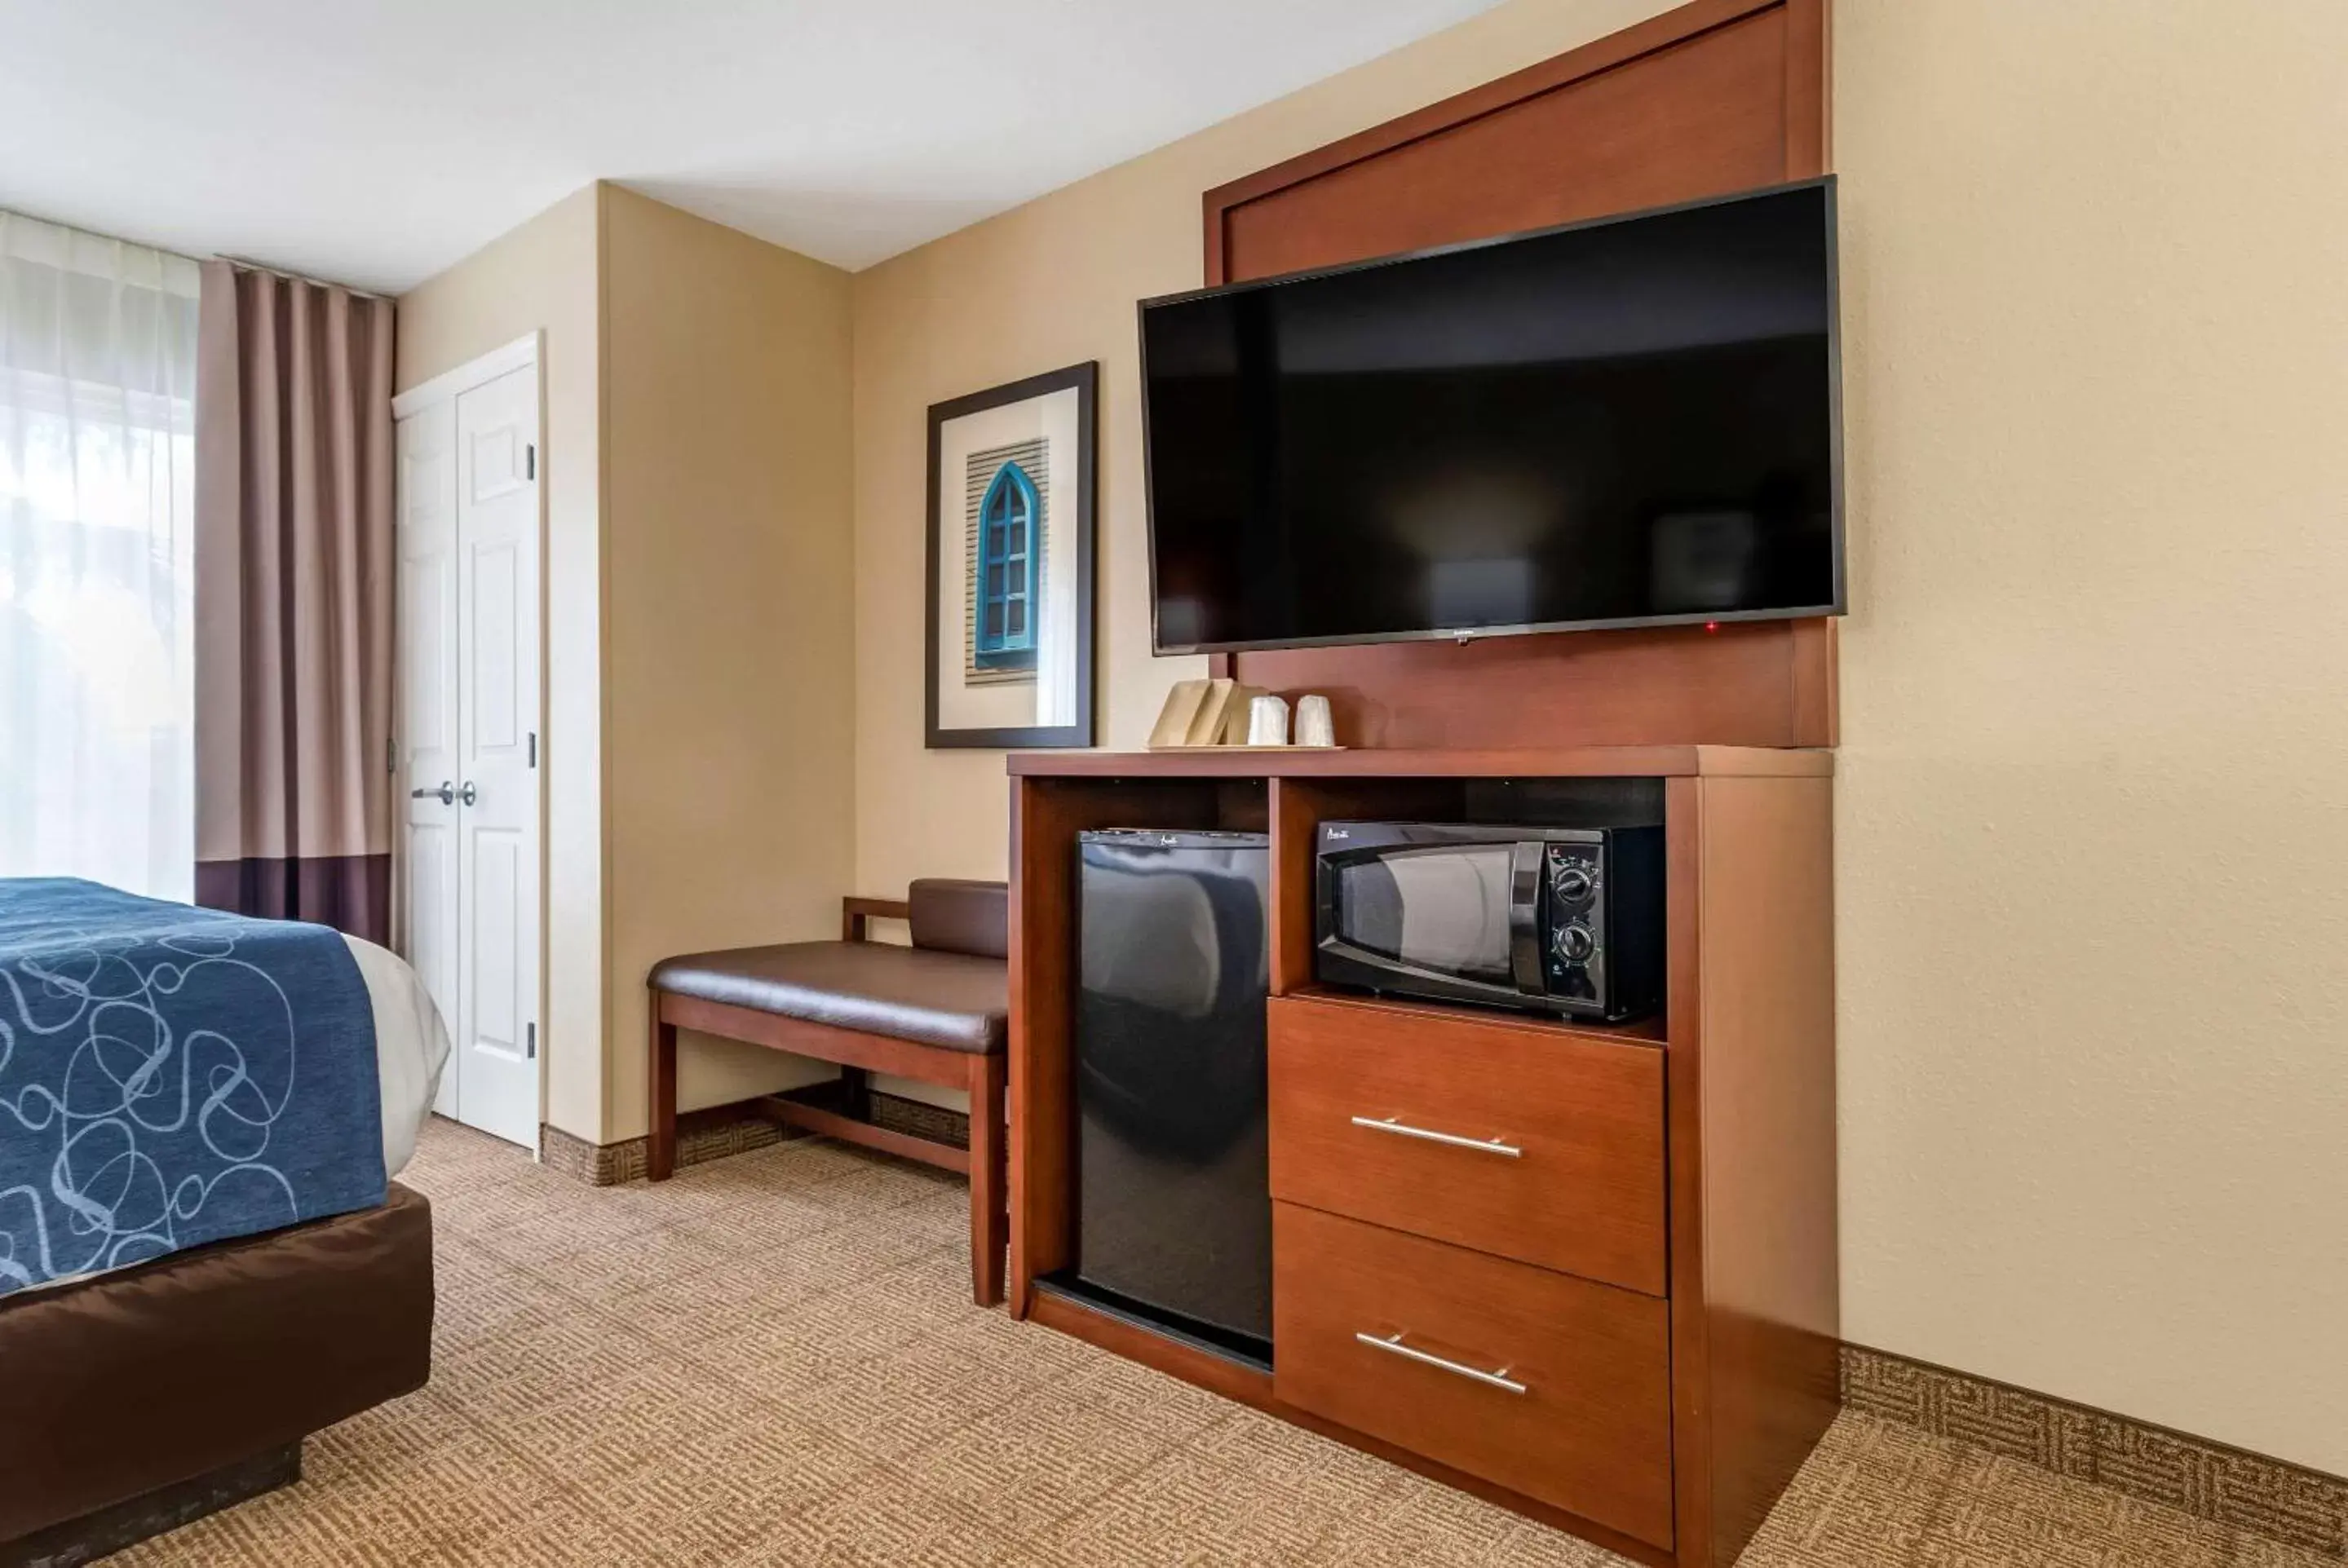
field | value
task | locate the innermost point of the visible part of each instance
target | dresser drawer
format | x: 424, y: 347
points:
x: 1543, y: 1383
x: 1527, y: 1141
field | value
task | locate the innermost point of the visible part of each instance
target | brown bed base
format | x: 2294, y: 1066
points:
x: 143, y: 1399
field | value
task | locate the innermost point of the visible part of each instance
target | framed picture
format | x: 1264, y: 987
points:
x: 1011, y: 564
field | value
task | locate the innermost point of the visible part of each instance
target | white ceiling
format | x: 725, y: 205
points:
x: 376, y: 141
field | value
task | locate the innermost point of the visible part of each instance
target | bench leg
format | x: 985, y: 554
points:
x: 990, y: 1218
x: 660, y: 1154
x: 856, y: 1094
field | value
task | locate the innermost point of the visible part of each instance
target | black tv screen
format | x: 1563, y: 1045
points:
x: 1627, y: 422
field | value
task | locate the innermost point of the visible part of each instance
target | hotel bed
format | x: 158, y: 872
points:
x: 203, y: 1257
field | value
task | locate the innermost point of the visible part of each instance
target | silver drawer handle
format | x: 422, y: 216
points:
x: 1393, y: 1342
x: 1404, y: 1130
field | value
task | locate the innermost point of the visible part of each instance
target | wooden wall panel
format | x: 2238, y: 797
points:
x: 1740, y: 685
x: 1713, y: 107
x: 1715, y: 96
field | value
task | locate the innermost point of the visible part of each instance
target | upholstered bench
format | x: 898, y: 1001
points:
x: 937, y: 1012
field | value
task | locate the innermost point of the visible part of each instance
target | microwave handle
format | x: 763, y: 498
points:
x: 1526, y: 861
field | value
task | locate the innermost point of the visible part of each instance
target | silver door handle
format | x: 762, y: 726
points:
x: 1451, y: 1140
x: 446, y: 793
x: 468, y: 794
x: 1392, y: 1343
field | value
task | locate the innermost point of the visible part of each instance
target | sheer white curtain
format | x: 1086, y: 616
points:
x: 97, y: 375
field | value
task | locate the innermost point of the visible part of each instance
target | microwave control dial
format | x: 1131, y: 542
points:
x: 1575, y: 944
x: 1573, y: 883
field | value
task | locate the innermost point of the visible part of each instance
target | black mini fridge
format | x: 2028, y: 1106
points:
x: 1173, y: 1187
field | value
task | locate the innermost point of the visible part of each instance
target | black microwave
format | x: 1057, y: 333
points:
x: 1545, y: 919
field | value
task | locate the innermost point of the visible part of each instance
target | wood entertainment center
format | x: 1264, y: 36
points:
x: 1630, y: 1327
x: 1658, y: 1268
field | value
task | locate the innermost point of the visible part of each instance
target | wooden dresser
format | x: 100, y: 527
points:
x: 1604, y: 1291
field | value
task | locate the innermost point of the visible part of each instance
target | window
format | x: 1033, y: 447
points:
x: 1008, y: 558
x: 98, y: 354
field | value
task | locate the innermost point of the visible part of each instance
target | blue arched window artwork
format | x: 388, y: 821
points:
x: 1009, y: 558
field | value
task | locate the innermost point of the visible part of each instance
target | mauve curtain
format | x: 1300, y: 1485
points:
x: 293, y: 600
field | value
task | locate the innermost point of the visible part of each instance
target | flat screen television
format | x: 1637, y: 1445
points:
x: 1630, y: 422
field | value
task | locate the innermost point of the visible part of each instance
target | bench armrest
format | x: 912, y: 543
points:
x: 857, y: 914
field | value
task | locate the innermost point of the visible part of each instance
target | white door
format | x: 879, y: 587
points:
x: 468, y: 676
x: 497, y: 756
x: 428, y: 709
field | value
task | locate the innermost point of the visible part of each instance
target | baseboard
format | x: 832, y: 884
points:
x: 2229, y: 1486
x: 723, y: 1130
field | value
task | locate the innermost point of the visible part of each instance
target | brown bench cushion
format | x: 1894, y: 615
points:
x: 952, y: 999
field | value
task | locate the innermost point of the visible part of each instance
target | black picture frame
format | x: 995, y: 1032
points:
x: 1085, y: 380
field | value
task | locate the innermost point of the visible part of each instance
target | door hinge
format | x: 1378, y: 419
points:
x: 391, y: 754
x: 529, y: 461
x: 533, y: 748
x: 530, y: 1034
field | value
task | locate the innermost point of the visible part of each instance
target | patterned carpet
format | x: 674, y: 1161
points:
x: 773, y: 1359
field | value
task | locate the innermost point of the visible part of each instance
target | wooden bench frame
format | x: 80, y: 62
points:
x: 859, y: 1055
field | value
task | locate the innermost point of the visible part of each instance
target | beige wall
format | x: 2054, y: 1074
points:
x: 699, y: 729
x: 730, y: 721
x: 2093, y: 869
x: 544, y: 275
x: 2094, y: 925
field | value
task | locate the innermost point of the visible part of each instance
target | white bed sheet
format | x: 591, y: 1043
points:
x: 411, y: 1046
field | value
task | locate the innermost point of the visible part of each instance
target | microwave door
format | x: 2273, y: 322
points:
x: 1462, y: 916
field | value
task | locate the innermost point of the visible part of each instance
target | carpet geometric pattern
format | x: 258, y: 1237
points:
x: 773, y: 1358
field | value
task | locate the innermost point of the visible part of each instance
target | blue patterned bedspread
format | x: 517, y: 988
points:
x: 171, y: 1076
